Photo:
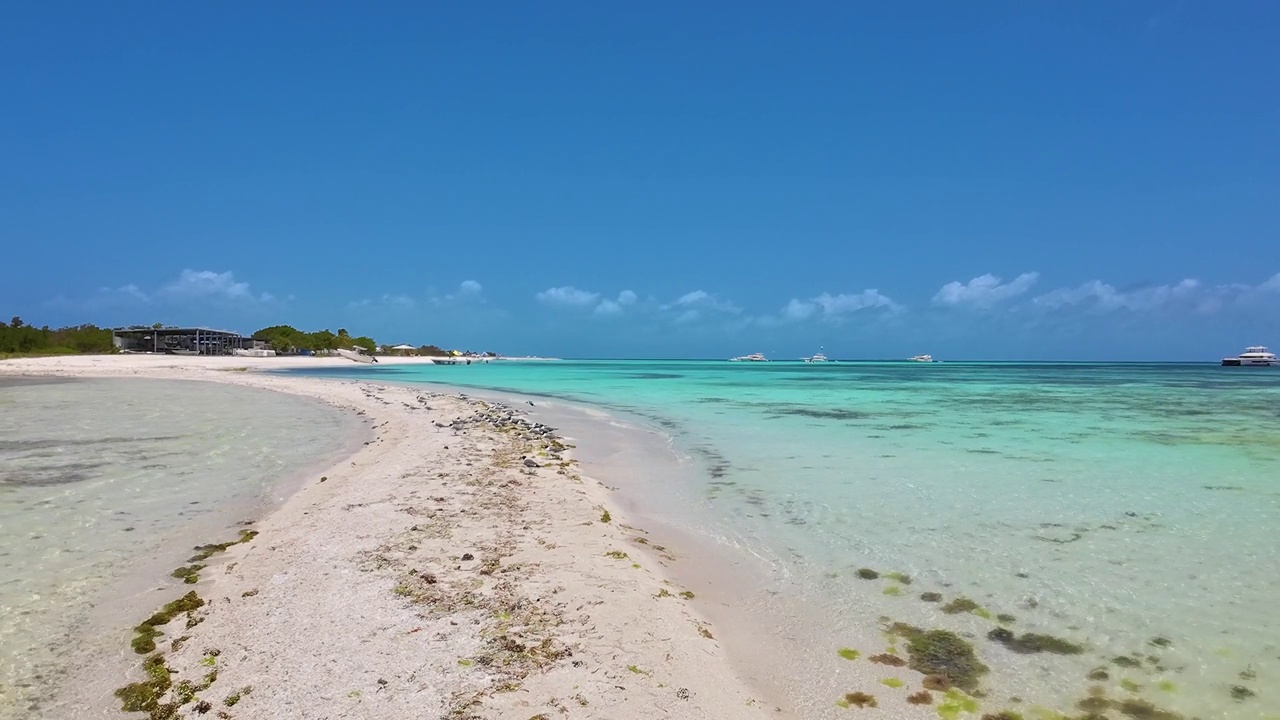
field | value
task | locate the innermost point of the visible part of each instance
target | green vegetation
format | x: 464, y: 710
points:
x: 18, y: 338
x: 145, y: 696
x: 867, y: 574
x: 849, y: 653
x: 857, y: 699
x: 1031, y: 643
x: 287, y: 339
x: 204, y: 552
x: 145, y: 634
x: 960, y: 605
x: 942, y: 655
x: 954, y: 703
x: 903, y: 578
x: 893, y: 682
x: 189, y: 574
x: 606, y: 517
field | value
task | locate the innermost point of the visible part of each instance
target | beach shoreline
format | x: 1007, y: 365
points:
x: 564, y: 607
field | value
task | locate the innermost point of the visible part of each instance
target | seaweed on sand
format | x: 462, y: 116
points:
x: 943, y: 655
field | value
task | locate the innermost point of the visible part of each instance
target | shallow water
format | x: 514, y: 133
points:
x: 1132, y: 509
x: 96, y: 475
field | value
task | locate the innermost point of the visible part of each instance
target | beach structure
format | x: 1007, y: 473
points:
x: 183, y: 341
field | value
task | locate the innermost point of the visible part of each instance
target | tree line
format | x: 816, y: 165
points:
x: 287, y: 339
x: 19, y: 338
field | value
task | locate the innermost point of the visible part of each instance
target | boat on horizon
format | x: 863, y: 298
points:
x: 1254, y: 356
x: 921, y: 358
x: 753, y: 357
x: 816, y: 358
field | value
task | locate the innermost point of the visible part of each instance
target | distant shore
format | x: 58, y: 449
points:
x: 459, y: 565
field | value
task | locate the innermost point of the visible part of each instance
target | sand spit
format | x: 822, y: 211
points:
x: 457, y: 566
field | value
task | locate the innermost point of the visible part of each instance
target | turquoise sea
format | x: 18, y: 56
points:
x: 1132, y: 509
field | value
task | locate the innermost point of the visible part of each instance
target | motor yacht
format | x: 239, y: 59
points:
x: 753, y: 357
x: 1256, y: 356
x: 816, y: 358
x: 921, y: 358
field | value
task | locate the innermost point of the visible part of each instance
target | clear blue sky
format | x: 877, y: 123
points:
x: 1098, y: 179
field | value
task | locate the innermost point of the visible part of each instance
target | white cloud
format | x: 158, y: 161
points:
x: 567, y: 296
x: 206, y: 284
x: 469, y: 291
x: 695, y: 303
x: 626, y: 298
x: 984, y: 291
x: 831, y: 308
x: 400, y: 302
x: 1188, y: 294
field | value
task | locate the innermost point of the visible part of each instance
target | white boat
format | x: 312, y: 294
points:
x: 1256, y: 356
x: 921, y: 358
x: 816, y: 358
x: 357, y: 356
x: 753, y: 357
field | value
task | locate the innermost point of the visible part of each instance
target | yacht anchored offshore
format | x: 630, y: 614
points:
x: 816, y: 358
x: 1256, y: 356
x: 921, y: 358
x: 753, y: 357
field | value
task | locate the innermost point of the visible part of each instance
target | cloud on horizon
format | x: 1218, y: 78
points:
x: 698, y: 304
x: 984, y: 291
x: 1188, y: 294
x: 836, y: 308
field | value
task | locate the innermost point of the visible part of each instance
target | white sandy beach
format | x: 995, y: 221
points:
x: 457, y: 566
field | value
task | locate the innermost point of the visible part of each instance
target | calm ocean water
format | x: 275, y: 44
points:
x: 105, y: 485
x: 1133, y: 509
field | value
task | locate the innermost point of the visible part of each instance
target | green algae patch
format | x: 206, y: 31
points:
x: 931, y: 597
x: 606, y: 517
x: 145, y: 696
x: 204, y: 552
x: 943, y: 655
x: 616, y: 555
x: 1167, y: 686
x: 903, y: 578
x: 189, y: 574
x: 849, y: 653
x: 887, y: 659
x: 145, y: 634
x: 960, y: 605
x: 857, y: 699
x: 955, y: 702
x: 867, y: 574
x: 1006, y: 618
x: 893, y: 590
x: 1032, y: 643
x: 892, y: 682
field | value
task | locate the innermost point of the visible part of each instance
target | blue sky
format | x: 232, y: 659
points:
x: 981, y: 180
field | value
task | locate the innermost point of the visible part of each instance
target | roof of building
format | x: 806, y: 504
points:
x: 173, y: 331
